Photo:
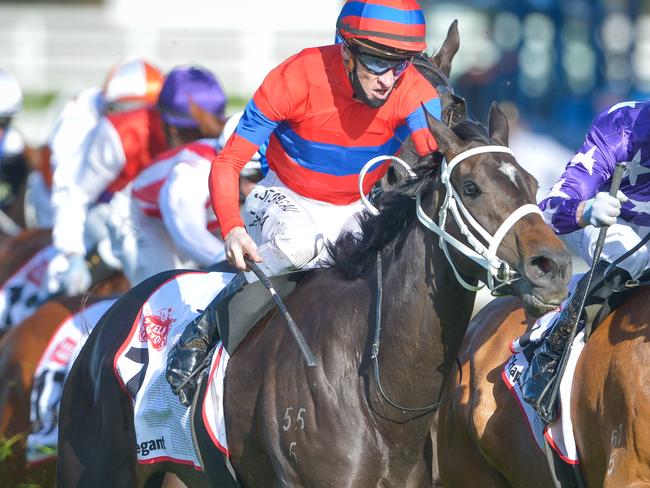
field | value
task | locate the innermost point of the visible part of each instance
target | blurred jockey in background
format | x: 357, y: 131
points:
x: 13, y: 165
x: 131, y: 83
x: 113, y: 153
x: 172, y: 218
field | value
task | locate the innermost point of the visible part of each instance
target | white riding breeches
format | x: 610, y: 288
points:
x: 292, y: 231
x: 621, y: 237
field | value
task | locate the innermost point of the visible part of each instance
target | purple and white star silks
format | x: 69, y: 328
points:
x: 620, y: 133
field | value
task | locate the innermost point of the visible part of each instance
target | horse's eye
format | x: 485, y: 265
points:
x: 471, y: 189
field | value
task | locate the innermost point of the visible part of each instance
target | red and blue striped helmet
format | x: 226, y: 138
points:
x: 394, y: 28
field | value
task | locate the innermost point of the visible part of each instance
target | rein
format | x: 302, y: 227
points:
x: 374, y: 355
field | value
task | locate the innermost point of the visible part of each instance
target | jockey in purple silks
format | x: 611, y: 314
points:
x: 579, y: 204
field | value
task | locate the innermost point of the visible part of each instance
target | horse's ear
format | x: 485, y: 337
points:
x: 445, y: 137
x: 443, y: 58
x: 209, y: 125
x: 498, y: 125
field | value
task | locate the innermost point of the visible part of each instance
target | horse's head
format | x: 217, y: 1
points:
x: 511, y: 240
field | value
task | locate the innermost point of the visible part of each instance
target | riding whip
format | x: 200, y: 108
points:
x: 546, y: 402
x: 307, y: 355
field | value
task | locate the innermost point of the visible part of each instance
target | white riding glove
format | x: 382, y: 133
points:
x: 68, y: 274
x: 603, y: 209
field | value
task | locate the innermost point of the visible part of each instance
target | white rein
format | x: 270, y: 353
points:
x: 499, y: 272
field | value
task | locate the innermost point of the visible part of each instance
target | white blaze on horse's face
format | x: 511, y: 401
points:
x: 510, y: 171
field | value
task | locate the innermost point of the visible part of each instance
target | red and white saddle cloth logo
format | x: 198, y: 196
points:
x: 559, y: 434
x: 162, y: 424
x: 155, y: 327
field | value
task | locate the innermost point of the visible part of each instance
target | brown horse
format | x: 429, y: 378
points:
x: 369, y: 419
x: 21, y: 348
x: 483, y: 436
x: 18, y: 250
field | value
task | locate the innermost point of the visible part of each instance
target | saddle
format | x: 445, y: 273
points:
x: 596, y: 313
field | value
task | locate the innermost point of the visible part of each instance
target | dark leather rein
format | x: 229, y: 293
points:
x: 374, y: 355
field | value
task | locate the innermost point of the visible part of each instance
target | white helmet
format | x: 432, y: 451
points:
x: 254, y: 165
x: 133, y: 82
x: 11, y: 96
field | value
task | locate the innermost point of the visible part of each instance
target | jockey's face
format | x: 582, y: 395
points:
x: 373, y: 78
x: 376, y: 87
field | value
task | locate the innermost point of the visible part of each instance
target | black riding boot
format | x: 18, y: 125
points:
x: 198, y: 338
x: 537, y: 379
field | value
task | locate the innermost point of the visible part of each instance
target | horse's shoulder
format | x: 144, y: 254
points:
x: 495, y: 316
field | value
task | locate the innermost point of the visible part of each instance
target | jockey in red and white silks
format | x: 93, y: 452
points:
x: 175, y: 225
x: 131, y: 83
x: 171, y: 210
x: 167, y: 223
x: 92, y: 143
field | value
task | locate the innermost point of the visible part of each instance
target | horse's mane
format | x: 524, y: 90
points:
x: 353, y: 252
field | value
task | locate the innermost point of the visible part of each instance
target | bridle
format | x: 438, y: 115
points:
x: 499, y: 272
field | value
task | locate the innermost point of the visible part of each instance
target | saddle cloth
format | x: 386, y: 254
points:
x: 162, y: 424
x: 24, y: 292
x: 50, y: 375
x: 559, y: 434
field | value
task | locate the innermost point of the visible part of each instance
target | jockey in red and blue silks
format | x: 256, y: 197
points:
x: 325, y: 111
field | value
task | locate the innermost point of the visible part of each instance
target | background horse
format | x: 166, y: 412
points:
x: 21, y: 349
x: 284, y: 418
x: 17, y: 251
x: 483, y: 435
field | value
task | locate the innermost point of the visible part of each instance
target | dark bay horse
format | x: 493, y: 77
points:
x: 483, y: 435
x: 290, y: 425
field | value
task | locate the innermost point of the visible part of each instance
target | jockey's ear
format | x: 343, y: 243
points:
x: 447, y: 141
x: 443, y: 58
x: 498, y: 125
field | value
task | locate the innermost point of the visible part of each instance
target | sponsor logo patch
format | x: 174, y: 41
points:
x: 155, y: 327
x: 147, y: 447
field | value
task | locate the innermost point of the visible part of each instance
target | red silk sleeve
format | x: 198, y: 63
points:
x: 224, y: 181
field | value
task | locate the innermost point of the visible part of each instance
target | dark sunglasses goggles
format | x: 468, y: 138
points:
x: 378, y: 65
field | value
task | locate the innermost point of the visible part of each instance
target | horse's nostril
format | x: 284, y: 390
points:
x: 544, y: 264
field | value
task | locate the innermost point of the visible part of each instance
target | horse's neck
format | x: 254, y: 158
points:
x: 426, y: 312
